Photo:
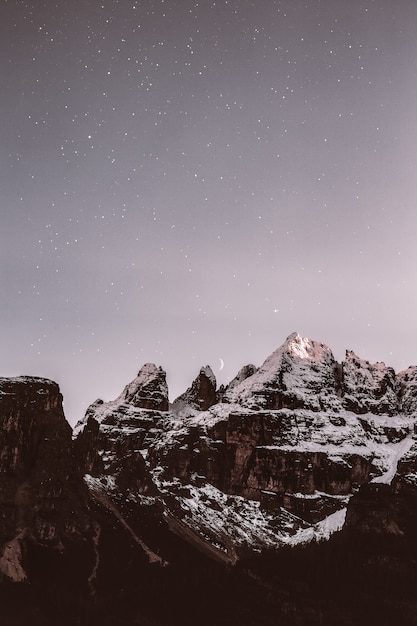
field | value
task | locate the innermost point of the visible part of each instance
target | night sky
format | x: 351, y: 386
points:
x: 184, y: 182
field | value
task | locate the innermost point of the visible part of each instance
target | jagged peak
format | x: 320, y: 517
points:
x: 351, y: 356
x: 208, y: 373
x: 147, y: 373
x: 149, y: 370
x: 245, y: 372
x: 409, y: 373
x: 369, y: 386
x: 148, y: 390
x: 289, y: 376
x: 202, y: 393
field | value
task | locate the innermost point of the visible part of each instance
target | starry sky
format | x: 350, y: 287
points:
x: 188, y: 181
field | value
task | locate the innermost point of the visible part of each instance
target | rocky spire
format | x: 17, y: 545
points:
x: 202, y: 393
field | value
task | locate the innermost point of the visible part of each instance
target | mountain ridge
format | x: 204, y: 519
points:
x: 302, y: 454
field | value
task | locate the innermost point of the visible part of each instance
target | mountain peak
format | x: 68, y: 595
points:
x: 305, y: 348
x: 208, y: 373
x: 149, y: 390
x: 295, y: 374
x: 202, y: 393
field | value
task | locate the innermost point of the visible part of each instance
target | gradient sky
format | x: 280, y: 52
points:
x: 184, y: 181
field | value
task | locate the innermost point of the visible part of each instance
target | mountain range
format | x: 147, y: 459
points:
x: 288, y: 497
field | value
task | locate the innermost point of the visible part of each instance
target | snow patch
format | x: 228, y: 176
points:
x: 304, y: 348
x: 322, y: 531
x: 393, y: 453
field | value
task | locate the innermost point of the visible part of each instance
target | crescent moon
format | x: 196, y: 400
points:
x: 221, y: 364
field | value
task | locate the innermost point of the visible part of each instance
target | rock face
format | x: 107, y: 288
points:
x: 149, y: 390
x: 369, y: 388
x: 407, y: 390
x: 293, y: 469
x: 202, y: 393
x: 45, y: 500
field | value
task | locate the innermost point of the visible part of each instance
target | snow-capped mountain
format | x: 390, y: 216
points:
x: 300, y: 451
x: 281, y: 453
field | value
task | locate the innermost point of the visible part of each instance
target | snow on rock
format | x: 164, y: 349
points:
x: 200, y: 396
x: 322, y: 531
x: 393, y: 453
x: 227, y: 523
x: 272, y: 460
x: 306, y: 348
x: 407, y: 381
x: 279, y: 463
x: 102, y: 495
x: 232, y: 524
x: 369, y: 387
x: 243, y: 374
x: 301, y: 373
x: 149, y: 390
x: 407, y: 464
x: 111, y: 429
x: 125, y: 421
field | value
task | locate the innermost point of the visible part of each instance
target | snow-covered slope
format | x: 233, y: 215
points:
x: 300, y: 373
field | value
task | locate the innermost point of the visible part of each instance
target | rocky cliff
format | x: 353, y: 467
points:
x: 43, y: 500
x: 303, y: 460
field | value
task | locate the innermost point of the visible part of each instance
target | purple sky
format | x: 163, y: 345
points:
x: 188, y: 181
